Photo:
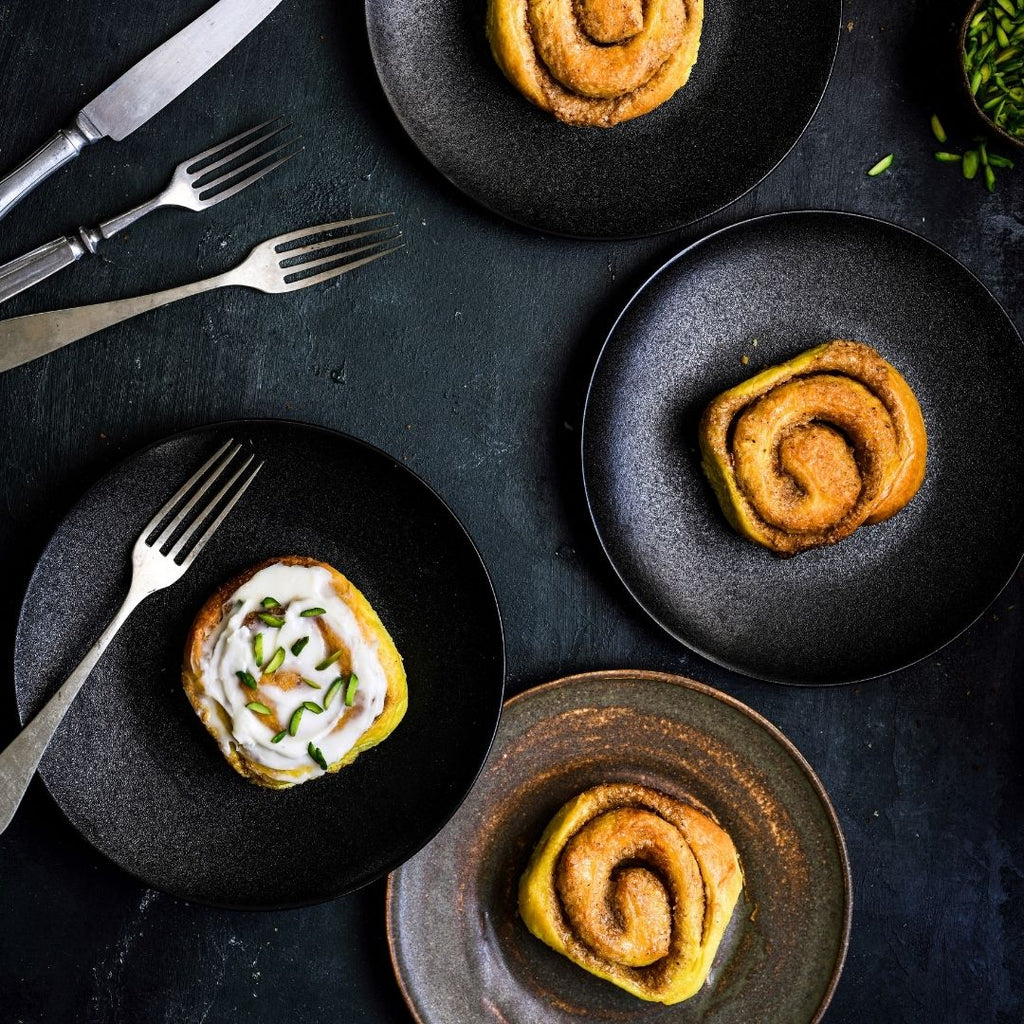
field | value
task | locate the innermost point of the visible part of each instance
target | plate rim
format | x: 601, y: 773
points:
x: 665, y: 266
x: 687, y: 683
x: 241, y: 423
x: 677, y: 226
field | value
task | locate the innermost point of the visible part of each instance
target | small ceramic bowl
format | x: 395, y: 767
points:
x: 966, y: 81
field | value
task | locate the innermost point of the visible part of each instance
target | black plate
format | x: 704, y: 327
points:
x: 132, y: 766
x: 892, y: 593
x: 761, y: 72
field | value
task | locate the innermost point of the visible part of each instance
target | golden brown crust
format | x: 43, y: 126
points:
x: 804, y: 453
x: 208, y: 620
x: 595, y: 63
x: 634, y: 886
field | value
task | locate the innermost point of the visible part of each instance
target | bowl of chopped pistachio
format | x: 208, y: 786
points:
x: 992, y: 62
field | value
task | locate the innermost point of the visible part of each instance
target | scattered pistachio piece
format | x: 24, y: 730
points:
x: 328, y: 661
x: 280, y: 736
x: 312, y: 613
x: 247, y: 679
x: 309, y: 682
x: 260, y: 709
x: 947, y: 158
x: 275, y: 662
x: 317, y: 755
x: 293, y: 722
x: 299, y: 645
x: 995, y: 160
x: 257, y: 649
x: 315, y: 708
x: 350, y: 689
x: 332, y: 691
x: 970, y: 164
x: 882, y: 166
x: 272, y: 602
x: 274, y: 621
x: 937, y: 130
x: 990, y: 178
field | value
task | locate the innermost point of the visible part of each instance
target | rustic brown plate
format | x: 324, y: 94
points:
x: 460, y: 951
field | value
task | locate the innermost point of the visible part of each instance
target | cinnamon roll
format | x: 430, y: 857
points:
x: 595, y: 62
x: 804, y: 453
x: 292, y: 672
x: 635, y: 887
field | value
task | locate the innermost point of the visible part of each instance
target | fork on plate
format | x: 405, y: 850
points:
x: 287, y: 263
x: 201, y: 181
x: 165, y: 549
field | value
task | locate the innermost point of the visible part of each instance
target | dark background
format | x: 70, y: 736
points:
x: 467, y: 355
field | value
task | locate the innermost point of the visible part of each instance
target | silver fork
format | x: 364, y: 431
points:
x: 191, y: 188
x: 281, y: 264
x: 160, y: 557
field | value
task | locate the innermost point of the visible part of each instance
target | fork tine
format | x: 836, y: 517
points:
x: 221, y: 179
x: 170, y: 505
x: 330, y: 274
x: 217, y: 150
x: 244, y: 183
x: 168, y: 533
x: 183, y: 540
x: 222, y: 515
x: 341, y: 240
x: 294, y: 236
x: 299, y: 268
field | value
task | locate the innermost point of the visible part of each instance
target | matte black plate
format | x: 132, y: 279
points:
x: 132, y: 766
x: 470, y: 959
x: 761, y: 72
x: 892, y: 593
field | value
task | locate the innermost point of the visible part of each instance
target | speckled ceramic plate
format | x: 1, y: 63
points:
x: 890, y: 594
x: 460, y: 950
x: 761, y: 72
x: 132, y: 766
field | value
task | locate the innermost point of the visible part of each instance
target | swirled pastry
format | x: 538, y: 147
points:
x: 595, y: 62
x: 635, y: 887
x: 802, y: 454
x: 292, y: 672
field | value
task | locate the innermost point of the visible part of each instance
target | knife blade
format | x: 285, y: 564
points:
x: 141, y: 92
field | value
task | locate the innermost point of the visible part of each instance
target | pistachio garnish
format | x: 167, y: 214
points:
x: 315, y: 708
x: 272, y: 602
x: 883, y: 165
x: 312, y: 613
x: 280, y: 736
x: 317, y: 755
x: 272, y: 620
x: 299, y: 645
x: 332, y: 691
x: 350, y: 689
x: 247, y: 679
x: 257, y: 649
x: 293, y: 722
x: 260, y: 709
x: 328, y: 661
x: 275, y: 662
x: 309, y: 682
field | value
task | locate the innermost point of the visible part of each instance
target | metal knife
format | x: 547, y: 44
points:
x: 142, y: 92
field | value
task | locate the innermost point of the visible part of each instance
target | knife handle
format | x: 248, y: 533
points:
x: 38, y: 265
x: 60, y: 150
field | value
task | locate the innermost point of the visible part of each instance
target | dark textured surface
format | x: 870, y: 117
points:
x: 472, y: 958
x: 758, y: 78
x: 766, y: 291
x: 467, y: 355
x: 132, y: 766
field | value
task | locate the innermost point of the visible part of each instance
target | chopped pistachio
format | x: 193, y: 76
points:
x: 293, y: 722
x: 299, y: 645
x: 247, y: 679
x: 312, y: 613
x: 315, y: 708
x: 272, y: 620
x: 272, y: 602
x: 882, y: 166
x: 260, y: 709
x: 275, y: 662
x: 350, y: 689
x: 332, y: 691
x: 257, y: 649
x: 328, y: 661
x: 309, y: 682
x: 280, y: 736
x: 317, y: 755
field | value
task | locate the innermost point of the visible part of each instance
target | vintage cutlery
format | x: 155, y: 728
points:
x: 160, y: 557
x: 141, y: 92
x: 277, y: 265
x: 191, y: 188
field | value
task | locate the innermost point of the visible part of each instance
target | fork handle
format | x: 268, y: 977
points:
x: 38, y: 265
x: 28, y: 337
x: 19, y: 761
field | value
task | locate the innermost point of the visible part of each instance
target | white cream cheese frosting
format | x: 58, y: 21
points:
x: 232, y: 648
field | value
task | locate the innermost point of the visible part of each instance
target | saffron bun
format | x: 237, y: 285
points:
x: 292, y: 672
x: 595, y: 63
x: 804, y: 453
x: 635, y: 887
